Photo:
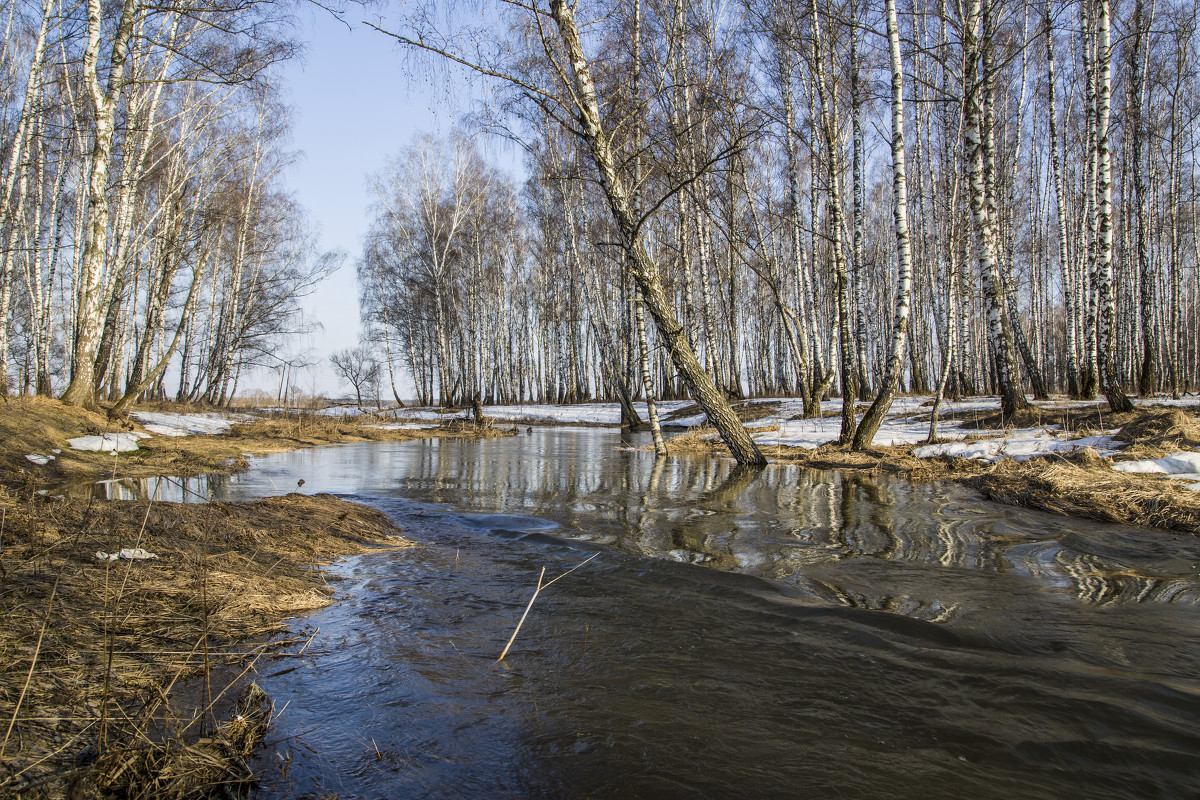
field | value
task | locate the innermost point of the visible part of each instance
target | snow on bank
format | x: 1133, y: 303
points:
x: 156, y: 423
x: 788, y: 410
x: 907, y: 424
x: 1180, y: 466
x: 1020, y: 445
x: 183, y: 424
x: 108, y: 442
x: 812, y: 433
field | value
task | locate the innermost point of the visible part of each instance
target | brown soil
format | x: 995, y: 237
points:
x: 90, y: 650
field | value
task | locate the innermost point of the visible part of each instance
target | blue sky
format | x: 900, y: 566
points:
x: 355, y: 105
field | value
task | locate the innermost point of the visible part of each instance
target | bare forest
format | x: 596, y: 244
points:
x: 722, y: 200
x: 144, y: 219
x: 789, y: 198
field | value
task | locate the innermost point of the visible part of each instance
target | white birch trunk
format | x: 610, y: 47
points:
x: 82, y: 389
x: 891, y: 376
x: 1117, y: 400
x: 1012, y: 398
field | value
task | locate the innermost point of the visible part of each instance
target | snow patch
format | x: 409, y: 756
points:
x: 108, y: 442
x: 812, y: 433
x: 578, y: 414
x: 1182, y: 466
x: 129, y: 553
x: 1019, y: 445
x: 40, y: 459
x: 404, y: 426
x: 183, y: 424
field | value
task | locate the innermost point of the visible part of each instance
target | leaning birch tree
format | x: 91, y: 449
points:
x: 574, y: 103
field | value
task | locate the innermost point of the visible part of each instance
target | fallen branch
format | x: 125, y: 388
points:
x: 536, y: 592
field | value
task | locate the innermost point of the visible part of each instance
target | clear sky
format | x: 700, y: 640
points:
x: 355, y: 105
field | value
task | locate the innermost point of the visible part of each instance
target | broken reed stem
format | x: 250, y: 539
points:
x: 29, y: 676
x: 536, y: 592
x: 521, y: 622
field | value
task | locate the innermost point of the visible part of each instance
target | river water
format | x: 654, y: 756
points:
x: 741, y: 633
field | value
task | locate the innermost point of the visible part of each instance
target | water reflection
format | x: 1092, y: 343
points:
x: 196, y: 489
x: 929, y: 551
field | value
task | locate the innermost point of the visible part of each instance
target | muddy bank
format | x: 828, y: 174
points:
x: 1080, y: 484
x: 92, y: 648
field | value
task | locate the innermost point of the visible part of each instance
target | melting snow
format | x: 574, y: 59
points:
x: 1185, y: 463
x: 1019, y: 445
x: 182, y: 424
x: 131, y: 553
x: 405, y: 426
x: 40, y: 459
x: 108, y: 442
x: 1179, y: 466
x: 579, y: 414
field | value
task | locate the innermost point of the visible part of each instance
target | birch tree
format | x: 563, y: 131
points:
x: 891, y: 376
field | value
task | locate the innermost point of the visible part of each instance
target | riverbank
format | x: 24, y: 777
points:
x: 108, y: 606
x: 35, y: 434
x: 1062, y: 458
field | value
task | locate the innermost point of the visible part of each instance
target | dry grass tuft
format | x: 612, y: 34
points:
x: 1092, y: 490
x: 702, y: 438
x: 217, y: 765
x: 469, y: 428
x: 1163, y: 431
x: 90, y: 650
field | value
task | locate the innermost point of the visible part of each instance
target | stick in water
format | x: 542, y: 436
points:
x: 537, y: 591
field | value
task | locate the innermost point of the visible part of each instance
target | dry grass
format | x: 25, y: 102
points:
x: 702, y: 438
x: 1093, y: 491
x: 897, y: 460
x: 90, y: 650
x: 1154, y: 434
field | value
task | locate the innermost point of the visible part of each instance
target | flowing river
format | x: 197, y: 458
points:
x: 741, y: 633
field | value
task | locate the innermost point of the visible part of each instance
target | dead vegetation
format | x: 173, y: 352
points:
x: 93, y: 652
x: 1154, y: 434
x: 1088, y: 487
